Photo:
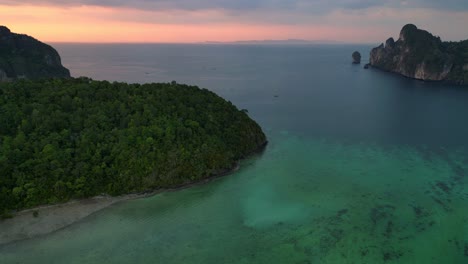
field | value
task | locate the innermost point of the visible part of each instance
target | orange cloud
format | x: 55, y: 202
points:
x: 101, y: 24
x: 108, y: 24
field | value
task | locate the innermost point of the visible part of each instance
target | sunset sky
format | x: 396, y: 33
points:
x: 354, y: 21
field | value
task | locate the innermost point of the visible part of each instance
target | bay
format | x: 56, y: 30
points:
x: 362, y: 167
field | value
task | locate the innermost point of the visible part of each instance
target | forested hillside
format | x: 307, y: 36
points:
x: 63, y: 139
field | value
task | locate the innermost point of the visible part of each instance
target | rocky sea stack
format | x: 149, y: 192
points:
x: 24, y: 57
x: 420, y: 55
x: 356, y: 57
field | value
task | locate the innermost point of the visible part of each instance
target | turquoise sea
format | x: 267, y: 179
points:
x: 362, y: 167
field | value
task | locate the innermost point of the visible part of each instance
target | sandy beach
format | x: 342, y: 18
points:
x: 54, y: 217
x: 50, y: 218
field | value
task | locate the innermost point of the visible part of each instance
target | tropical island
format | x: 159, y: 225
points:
x: 420, y: 55
x: 75, y: 138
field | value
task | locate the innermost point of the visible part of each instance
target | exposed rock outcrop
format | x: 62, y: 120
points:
x: 356, y: 57
x: 420, y: 55
x: 22, y: 56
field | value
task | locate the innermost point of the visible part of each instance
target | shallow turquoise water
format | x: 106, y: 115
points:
x: 362, y: 167
x: 301, y: 201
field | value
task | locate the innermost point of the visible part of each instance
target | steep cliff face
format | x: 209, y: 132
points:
x: 22, y: 56
x: 420, y: 55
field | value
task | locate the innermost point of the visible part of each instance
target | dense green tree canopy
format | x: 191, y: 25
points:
x: 63, y: 139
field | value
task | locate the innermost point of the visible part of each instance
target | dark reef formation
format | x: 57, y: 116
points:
x: 24, y: 57
x: 356, y: 57
x: 420, y: 55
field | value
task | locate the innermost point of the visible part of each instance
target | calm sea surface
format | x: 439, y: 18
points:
x: 362, y: 166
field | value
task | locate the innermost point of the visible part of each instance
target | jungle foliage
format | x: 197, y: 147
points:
x: 75, y: 138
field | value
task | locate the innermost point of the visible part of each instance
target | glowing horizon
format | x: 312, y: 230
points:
x: 81, y: 23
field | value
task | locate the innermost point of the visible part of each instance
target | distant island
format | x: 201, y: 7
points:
x: 72, y: 138
x: 275, y: 42
x: 420, y: 55
x: 22, y: 56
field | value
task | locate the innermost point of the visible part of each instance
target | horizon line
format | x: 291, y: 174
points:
x: 236, y: 42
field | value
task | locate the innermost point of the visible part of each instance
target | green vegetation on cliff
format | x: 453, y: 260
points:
x: 420, y: 55
x: 76, y: 138
x: 22, y: 56
x: 460, y: 68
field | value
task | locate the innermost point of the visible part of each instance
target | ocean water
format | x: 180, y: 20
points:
x: 362, y: 166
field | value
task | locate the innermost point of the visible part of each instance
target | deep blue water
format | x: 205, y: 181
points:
x: 363, y: 166
x: 320, y: 93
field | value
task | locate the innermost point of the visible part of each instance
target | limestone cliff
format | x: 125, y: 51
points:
x: 420, y: 55
x: 22, y: 56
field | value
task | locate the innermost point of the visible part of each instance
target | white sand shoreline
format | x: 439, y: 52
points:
x: 54, y: 217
